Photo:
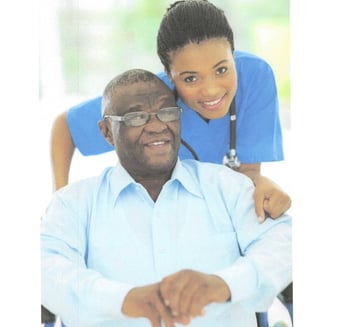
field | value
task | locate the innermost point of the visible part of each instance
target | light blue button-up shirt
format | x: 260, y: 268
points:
x: 102, y: 236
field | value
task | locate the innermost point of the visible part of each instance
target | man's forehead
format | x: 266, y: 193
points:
x: 141, y: 96
x: 142, y: 93
x: 142, y: 88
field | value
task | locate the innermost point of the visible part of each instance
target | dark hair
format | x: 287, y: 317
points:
x: 189, y: 21
x: 129, y: 77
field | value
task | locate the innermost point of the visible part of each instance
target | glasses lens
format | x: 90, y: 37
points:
x: 169, y: 114
x: 135, y: 119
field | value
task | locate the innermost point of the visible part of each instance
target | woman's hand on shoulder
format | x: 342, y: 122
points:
x: 270, y: 200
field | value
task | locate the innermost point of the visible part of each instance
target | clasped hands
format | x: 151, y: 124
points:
x: 178, y: 298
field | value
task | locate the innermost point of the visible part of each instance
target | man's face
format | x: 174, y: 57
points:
x: 153, y: 147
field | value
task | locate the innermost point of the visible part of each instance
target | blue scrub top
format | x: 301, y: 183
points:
x: 258, y: 129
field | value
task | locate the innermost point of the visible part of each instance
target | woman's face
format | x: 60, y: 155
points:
x: 205, y: 76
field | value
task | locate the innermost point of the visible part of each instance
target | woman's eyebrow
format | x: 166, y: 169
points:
x: 187, y: 72
x: 220, y: 63
x: 214, y: 66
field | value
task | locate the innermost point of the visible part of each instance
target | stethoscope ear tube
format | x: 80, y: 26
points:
x: 189, y: 148
x: 231, y: 159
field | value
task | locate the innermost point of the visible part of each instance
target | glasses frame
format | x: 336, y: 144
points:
x: 122, y: 119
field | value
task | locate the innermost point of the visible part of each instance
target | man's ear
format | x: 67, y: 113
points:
x: 106, y: 132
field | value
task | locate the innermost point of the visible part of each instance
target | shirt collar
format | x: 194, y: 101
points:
x: 186, y: 177
x: 120, y: 179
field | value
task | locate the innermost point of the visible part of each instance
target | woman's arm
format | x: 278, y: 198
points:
x: 62, y: 149
x: 269, y: 198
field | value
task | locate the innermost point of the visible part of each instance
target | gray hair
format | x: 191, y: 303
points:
x: 129, y: 77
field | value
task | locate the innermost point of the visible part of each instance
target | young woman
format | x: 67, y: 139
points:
x: 229, y: 101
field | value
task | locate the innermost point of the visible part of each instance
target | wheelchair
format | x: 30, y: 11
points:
x: 286, y: 298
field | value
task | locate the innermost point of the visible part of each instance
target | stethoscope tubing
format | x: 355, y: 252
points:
x: 230, y: 159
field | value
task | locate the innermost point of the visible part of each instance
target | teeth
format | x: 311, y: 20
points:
x: 157, y: 143
x: 212, y: 103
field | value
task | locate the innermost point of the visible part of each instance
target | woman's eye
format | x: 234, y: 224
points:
x: 190, y: 79
x: 221, y: 70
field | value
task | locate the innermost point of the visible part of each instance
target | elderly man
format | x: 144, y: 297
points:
x: 155, y: 238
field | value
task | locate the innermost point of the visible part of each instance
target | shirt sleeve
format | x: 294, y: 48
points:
x: 80, y: 296
x: 265, y: 267
x: 82, y: 121
x: 259, y: 135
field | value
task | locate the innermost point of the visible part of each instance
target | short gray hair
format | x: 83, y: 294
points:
x: 129, y: 77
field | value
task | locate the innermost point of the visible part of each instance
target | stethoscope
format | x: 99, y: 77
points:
x: 230, y: 159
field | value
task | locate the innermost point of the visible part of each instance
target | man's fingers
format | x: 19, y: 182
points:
x: 183, y: 320
x: 146, y: 302
x: 199, y: 300
x: 165, y: 288
x: 171, y: 291
x: 181, y: 290
x: 164, y: 315
x: 154, y: 320
x: 211, y: 289
x: 186, y: 295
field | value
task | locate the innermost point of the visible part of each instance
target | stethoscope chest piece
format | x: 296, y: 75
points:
x: 231, y: 160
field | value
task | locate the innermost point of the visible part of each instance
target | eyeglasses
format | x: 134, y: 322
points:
x: 140, y: 118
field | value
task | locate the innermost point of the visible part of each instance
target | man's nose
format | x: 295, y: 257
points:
x: 155, y: 124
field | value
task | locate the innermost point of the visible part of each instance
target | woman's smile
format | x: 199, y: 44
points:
x: 212, y: 104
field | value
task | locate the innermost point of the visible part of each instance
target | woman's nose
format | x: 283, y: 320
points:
x: 209, y: 88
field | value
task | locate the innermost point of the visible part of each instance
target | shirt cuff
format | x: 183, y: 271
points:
x: 241, y: 279
x: 112, y: 294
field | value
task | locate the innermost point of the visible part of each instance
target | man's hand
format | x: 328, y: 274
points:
x: 187, y: 292
x: 269, y: 198
x: 146, y: 302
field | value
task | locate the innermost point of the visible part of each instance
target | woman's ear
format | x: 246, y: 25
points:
x: 106, y: 131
